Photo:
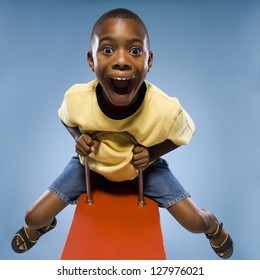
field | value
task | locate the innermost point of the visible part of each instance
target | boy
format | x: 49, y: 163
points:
x: 121, y: 100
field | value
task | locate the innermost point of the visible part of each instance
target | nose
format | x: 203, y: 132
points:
x: 121, y: 61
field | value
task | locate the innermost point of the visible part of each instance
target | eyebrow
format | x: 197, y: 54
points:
x: 130, y: 41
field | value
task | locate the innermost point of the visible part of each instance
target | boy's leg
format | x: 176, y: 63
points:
x: 42, y: 212
x: 40, y: 215
x: 67, y: 187
x: 197, y: 220
x: 191, y: 217
x: 64, y: 190
x: 163, y: 187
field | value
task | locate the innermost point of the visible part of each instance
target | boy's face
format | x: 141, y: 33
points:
x: 120, y: 58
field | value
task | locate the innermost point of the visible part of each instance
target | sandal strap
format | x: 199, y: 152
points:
x: 224, y: 247
x: 217, y: 233
x: 46, y: 229
x: 25, y: 241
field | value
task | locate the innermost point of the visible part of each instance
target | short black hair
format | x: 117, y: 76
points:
x: 120, y: 13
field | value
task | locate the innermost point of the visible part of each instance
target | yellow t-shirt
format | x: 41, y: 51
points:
x: 159, y: 117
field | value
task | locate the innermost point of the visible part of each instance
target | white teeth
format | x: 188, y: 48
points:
x: 120, y: 79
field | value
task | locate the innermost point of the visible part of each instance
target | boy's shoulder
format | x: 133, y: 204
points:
x: 157, y: 93
x: 82, y: 88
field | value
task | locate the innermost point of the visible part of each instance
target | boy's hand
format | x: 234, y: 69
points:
x: 141, y: 157
x: 85, y: 145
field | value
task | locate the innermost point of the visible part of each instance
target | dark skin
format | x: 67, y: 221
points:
x: 120, y: 50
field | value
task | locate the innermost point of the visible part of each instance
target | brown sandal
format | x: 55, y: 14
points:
x: 25, y: 240
x: 226, y: 247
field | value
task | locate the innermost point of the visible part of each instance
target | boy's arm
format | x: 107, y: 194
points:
x: 84, y: 143
x: 161, y: 149
x: 142, y: 156
x: 74, y: 131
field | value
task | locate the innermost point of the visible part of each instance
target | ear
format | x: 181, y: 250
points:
x: 90, y: 60
x: 150, y: 60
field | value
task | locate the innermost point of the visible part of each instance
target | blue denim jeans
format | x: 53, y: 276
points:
x: 158, y: 182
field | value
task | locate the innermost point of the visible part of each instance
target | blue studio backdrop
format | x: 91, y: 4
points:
x: 206, y: 53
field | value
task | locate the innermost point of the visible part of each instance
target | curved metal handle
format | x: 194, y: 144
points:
x: 89, y: 200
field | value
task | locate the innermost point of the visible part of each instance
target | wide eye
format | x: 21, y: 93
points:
x: 136, y: 51
x: 107, y: 50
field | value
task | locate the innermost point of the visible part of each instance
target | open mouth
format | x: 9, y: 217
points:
x: 121, y: 85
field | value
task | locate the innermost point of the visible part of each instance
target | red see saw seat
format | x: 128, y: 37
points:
x: 115, y: 228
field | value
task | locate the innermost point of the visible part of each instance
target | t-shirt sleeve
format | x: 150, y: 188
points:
x: 182, y: 129
x: 65, y: 112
